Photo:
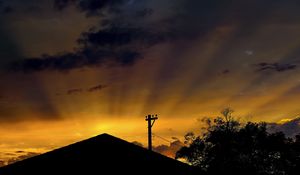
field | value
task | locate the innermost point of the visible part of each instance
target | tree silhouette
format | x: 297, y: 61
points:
x: 229, y: 147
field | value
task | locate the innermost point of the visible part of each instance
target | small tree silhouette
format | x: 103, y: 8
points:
x: 229, y: 147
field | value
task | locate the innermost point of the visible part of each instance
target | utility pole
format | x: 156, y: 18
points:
x: 151, y: 119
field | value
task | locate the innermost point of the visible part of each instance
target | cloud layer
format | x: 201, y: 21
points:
x: 167, y: 150
x: 290, y: 128
x: 127, y: 27
x: 113, y: 42
x: 275, y: 67
x: 17, y: 156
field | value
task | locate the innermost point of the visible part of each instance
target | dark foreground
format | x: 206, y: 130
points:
x: 103, y: 154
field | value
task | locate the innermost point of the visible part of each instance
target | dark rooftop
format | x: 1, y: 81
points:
x: 103, y: 154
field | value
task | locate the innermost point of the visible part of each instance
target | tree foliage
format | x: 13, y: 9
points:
x: 229, y: 147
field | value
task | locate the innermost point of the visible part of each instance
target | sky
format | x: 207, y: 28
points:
x: 72, y: 69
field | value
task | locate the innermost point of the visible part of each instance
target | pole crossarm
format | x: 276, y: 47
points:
x: 153, y: 122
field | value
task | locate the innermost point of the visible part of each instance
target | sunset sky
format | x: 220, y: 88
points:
x: 72, y: 69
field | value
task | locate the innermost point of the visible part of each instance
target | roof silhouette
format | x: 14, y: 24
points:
x: 103, y: 154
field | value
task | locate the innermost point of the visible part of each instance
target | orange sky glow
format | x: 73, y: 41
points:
x: 182, y: 80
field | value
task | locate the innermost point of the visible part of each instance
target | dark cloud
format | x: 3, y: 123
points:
x: 170, y: 150
x: 20, y: 9
x: 224, y: 72
x: 120, y: 36
x: 278, y: 67
x: 10, y: 154
x: 74, y: 91
x: 175, y: 138
x: 61, y: 62
x: 126, y: 28
x: 290, y: 128
x: 97, y: 88
x: 88, y: 57
x: 113, y: 43
x: 22, y: 157
x: 138, y: 143
x: 81, y: 90
x: 108, y: 45
x: 166, y: 150
x: 17, y: 156
x: 91, y: 7
x: 20, y: 151
x: 2, y: 163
